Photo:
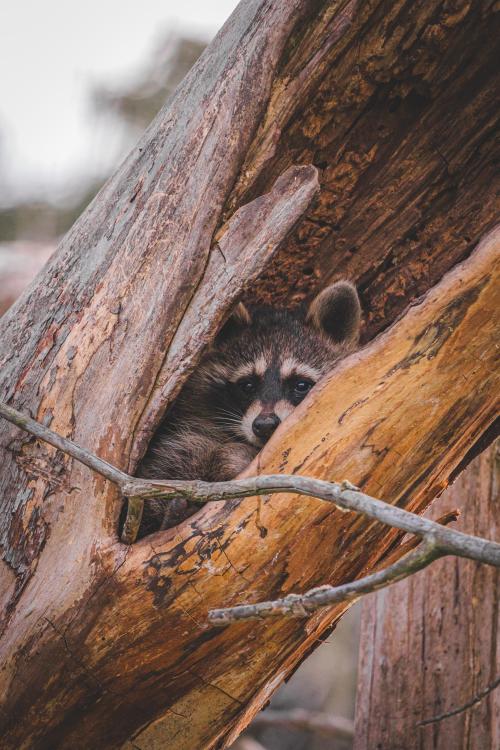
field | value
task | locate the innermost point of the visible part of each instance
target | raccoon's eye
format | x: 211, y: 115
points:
x: 302, y: 387
x: 247, y: 385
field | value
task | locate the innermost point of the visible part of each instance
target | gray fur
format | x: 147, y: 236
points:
x: 209, y: 433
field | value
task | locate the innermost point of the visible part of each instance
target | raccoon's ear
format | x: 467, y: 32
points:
x: 240, y: 315
x: 239, y: 318
x: 337, y: 312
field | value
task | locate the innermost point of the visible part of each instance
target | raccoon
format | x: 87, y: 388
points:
x: 261, y: 366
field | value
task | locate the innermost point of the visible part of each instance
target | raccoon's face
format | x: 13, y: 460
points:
x: 266, y: 361
x: 264, y: 392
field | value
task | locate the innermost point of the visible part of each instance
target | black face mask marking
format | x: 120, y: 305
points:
x: 261, y: 366
x: 265, y: 398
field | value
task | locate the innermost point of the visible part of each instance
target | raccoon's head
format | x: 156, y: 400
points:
x: 265, y: 361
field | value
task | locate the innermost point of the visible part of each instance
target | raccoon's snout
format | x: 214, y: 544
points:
x: 264, y: 425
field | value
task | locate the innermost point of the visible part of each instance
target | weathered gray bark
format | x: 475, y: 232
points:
x: 101, y: 641
x: 429, y: 645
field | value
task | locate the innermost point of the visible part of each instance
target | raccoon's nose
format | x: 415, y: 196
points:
x: 264, y: 425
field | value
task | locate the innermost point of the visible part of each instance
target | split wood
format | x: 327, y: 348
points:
x: 437, y: 540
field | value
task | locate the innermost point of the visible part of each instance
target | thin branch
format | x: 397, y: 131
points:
x: 344, y: 495
x: 311, y: 721
x: 405, y: 565
x: 63, y: 444
x: 301, y: 605
x: 398, y: 551
x: 470, y: 703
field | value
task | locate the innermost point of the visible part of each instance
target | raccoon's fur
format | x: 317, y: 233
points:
x: 262, y: 364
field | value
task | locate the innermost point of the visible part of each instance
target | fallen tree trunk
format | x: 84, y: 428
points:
x: 103, y: 642
x: 438, y: 634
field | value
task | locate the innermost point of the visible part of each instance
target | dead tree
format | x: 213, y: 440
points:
x: 392, y: 105
x: 429, y: 670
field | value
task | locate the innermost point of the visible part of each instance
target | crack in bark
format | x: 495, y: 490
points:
x: 186, y: 612
x: 98, y: 588
x: 75, y: 659
x: 238, y: 572
x: 216, y: 687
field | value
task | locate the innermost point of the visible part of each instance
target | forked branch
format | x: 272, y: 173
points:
x: 302, y: 605
x: 437, y: 540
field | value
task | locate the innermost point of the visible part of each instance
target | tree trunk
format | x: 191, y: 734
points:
x: 103, y: 642
x: 429, y: 645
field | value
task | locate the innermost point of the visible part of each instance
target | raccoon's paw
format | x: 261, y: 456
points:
x: 164, y: 514
x: 175, y: 511
x: 234, y: 458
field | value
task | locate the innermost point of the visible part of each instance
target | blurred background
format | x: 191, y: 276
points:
x: 79, y: 83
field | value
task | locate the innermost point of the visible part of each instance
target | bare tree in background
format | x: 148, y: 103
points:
x: 31, y: 228
x: 138, y: 102
x: 430, y: 667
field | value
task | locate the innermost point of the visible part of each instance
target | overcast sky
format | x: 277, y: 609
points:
x: 52, y: 52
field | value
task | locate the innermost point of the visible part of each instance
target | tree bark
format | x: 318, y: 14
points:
x: 109, y: 647
x: 429, y: 645
x: 102, y: 642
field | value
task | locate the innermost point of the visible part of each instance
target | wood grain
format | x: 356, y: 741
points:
x: 374, y: 420
x: 430, y: 644
x: 396, y: 103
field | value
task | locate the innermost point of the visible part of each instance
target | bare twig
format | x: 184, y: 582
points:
x: 63, y: 444
x: 439, y: 540
x: 301, y: 605
x: 344, y: 495
x: 312, y: 721
x: 460, y: 709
